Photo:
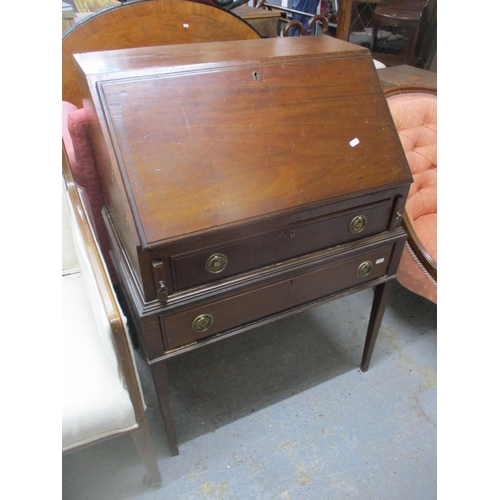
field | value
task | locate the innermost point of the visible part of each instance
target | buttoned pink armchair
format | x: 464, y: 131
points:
x: 414, y: 111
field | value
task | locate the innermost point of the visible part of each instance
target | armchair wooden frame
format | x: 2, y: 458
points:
x: 418, y: 248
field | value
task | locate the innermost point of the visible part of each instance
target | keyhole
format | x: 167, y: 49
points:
x: 256, y: 76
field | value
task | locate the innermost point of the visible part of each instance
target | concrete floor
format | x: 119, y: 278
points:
x: 283, y: 412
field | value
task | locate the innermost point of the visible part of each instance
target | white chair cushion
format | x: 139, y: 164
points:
x: 95, y: 402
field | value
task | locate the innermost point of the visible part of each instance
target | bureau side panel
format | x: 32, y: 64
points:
x: 109, y: 174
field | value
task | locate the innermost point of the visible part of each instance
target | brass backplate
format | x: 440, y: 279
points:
x: 216, y: 263
x: 202, y: 322
x: 357, y: 224
x: 364, y: 269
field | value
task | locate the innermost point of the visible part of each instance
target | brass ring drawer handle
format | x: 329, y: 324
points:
x: 202, y: 322
x: 216, y: 263
x: 357, y: 224
x: 364, y: 269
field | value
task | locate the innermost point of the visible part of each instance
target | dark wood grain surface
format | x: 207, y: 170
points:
x: 275, y: 158
x: 240, y: 130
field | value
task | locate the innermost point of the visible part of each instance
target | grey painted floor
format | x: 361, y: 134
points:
x: 283, y: 412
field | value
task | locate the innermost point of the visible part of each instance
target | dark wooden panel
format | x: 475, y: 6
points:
x: 206, y: 145
x: 407, y: 76
x: 282, y: 244
x: 265, y: 301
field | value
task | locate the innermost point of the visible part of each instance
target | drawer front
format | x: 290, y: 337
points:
x: 234, y: 257
x: 223, y: 315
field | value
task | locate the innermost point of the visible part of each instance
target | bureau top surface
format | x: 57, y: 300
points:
x: 212, y: 135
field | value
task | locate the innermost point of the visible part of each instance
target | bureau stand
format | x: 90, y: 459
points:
x: 244, y: 181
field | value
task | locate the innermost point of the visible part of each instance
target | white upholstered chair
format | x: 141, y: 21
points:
x: 101, y: 396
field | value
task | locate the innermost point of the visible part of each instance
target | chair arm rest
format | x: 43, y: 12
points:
x: 429, y: 264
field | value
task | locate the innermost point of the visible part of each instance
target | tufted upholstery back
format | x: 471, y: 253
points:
x: 415, y: 117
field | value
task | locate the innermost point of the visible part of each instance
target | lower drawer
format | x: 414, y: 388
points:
x: 244, y: 308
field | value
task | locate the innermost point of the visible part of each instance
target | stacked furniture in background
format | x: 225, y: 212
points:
x: 404, y: 21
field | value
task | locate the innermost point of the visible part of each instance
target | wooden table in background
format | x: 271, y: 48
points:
x: 404, y: 75
x: 263, y: 20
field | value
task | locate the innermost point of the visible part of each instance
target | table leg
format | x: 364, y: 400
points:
x: 160, y: 377
x: 380, y: 300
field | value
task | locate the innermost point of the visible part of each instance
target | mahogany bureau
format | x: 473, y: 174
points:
x: 244, y: 181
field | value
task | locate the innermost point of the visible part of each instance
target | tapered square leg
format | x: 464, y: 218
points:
x: 380, y: 301
x: 160, y: 377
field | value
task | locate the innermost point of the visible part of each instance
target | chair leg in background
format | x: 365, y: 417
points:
x: 145, y: 448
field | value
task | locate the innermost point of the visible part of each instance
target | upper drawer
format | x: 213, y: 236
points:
x: 203, y: 266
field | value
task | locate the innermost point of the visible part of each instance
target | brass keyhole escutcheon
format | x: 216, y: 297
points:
x: 202, y: 322
x: 357, y: 224
x: 364, y: 269
x: 216, y: 263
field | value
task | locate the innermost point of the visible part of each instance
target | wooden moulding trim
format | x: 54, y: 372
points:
x: 409, y: 89
x: 423, y: 256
